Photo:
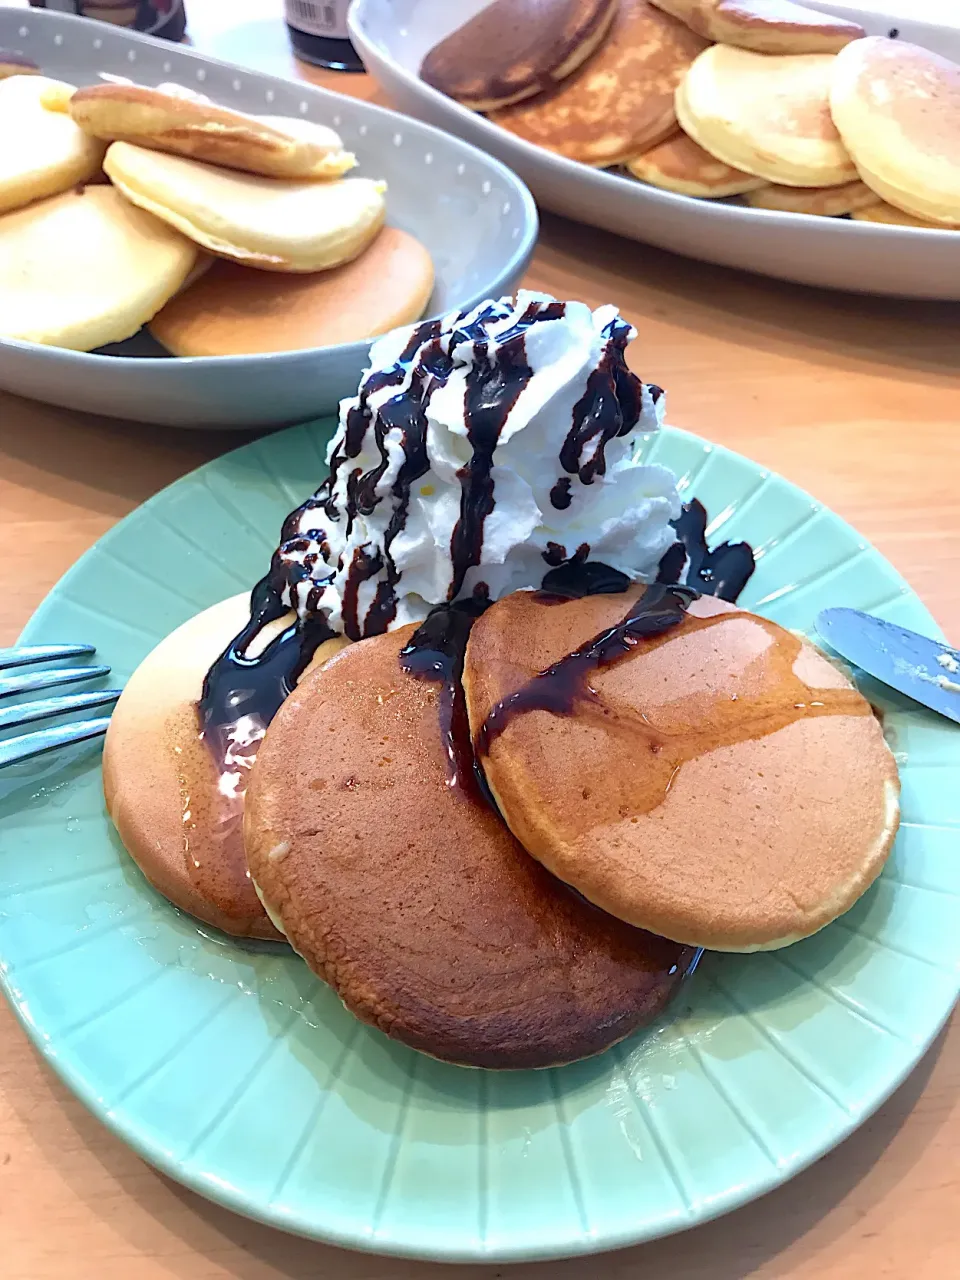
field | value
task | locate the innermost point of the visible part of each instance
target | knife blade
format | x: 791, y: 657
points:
x: 924, y: 669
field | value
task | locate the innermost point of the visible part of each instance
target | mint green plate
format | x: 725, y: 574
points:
x: 235, y: 1071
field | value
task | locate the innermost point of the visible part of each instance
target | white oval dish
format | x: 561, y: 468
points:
x: 476, y: 218
x: 392, y: 37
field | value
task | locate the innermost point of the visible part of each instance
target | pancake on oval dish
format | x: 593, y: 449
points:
x: 276, y: 224
x: 402, y: 888
x: 767, y: 115
x: 889, y: 215
x: 765, y: 26
x: 170, y: 118
x: 43, y: 151
x: 86, y: 268
x: 513, y: 49
x: 897, y: 107
x: 620, y: 102
x: 682, y: 166
x: 234, y: 310
x: 714, y: 780
x: 824, y: 202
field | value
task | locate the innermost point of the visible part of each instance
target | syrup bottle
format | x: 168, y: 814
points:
x: 318, y: 33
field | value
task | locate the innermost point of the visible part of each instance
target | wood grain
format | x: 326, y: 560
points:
x: 855, y: 399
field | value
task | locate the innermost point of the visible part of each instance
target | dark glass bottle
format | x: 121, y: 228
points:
x: 318, y: 33
x: 163, y: 18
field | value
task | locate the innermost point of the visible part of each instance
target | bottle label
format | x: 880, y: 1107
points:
x: 319, y: 17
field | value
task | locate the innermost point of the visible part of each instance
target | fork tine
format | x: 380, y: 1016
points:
x: 40, y: 708
x: 24, y: 654
x: 47, y: 679
x: 27, y: 745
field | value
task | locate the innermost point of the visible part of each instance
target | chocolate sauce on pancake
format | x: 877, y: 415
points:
x: 780, y: 697
x: 563, y: 686
x: 435, y: 654
x: 722, y: 572
x: 241, y: 695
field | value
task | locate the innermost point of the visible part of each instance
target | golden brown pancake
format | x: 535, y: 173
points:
x: 234, y: 310
x: 16, y: 64
x: 897, y: 107
x: 768, y: 115
x: 86, y: 268
x: 43, y: 152
x: 516, y: 48
x: 620, y: 102
x: 825, y: 202
x: 187, y: 124
x: 722, y: 784
x: 891, y: 216
x: 681, y: 165
x: 765, y: 26
x: 178, y: 820
x: 409, y: 895
x: 275, y: 224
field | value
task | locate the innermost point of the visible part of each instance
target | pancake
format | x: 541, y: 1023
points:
x: 769, y: 116
x: 765, y: 26
x: 681, y: 165
x: 43, y: 152
x: 720, y: 782
x: 271, y: 223
x: 890, y: 215
x: 233, y: 310
x: 16, y: 64
x: 408, y: 894
x: 86, y: 268
x: 897, y: 107
x: 827, y: 202
x: 162, y: 785
x: 620, y: 102
x: 175, y: 120
x: 516, y: 48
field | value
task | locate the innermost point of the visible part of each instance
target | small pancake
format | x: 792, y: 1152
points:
x: 890, y: 215
x: 161, y: 782
x: 825, y: 202
x: 16, y: 64
x: 271, y: 223
x: 233, y: 310
x: 682, y: 165
x: 722, y: 784
x: 618, y: 104
x: 86, y: 268
x: 43, y: 152
x: 516, y: 48
x: 174, y: 120
x: 897, y: 107
x: 765, y: 26
x: 410, y: 896
x: 767, y: 115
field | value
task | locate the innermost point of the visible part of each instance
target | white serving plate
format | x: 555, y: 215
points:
x: 392, y: 37
x: 477, y: 219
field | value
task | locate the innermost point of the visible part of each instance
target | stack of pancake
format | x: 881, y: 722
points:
x: 766, y: 101
x: 504, y: 846
x: 228, y: 234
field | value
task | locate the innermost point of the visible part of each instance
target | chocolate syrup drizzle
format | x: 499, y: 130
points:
x: 722, y: 572
x: 238, y: 686
x: 563, y: 685
x: 435, y: 654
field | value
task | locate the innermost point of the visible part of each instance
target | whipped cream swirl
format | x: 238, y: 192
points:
x: 481, y: 450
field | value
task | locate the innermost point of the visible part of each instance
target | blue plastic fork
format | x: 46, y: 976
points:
x: 26, y: 745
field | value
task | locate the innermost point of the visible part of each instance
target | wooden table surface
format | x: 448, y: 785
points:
x: 855, y: 399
